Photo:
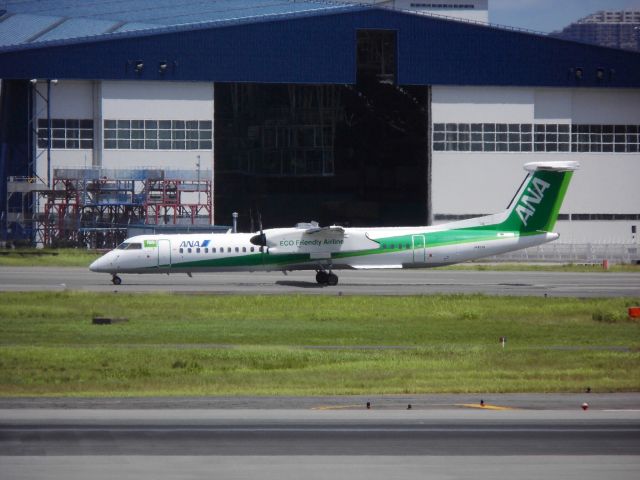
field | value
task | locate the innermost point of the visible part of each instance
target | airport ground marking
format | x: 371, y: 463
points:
x: 484, y: 407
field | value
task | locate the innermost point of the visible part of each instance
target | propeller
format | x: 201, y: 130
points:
x: 260, y: 239
x: 263, y: 240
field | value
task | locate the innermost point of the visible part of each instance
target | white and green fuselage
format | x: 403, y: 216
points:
x: 528, y: 222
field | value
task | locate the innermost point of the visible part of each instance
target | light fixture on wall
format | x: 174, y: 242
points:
x: 579, y: 73
x: 600, y: 73
x: 162, y: 67
x: 138, y: 66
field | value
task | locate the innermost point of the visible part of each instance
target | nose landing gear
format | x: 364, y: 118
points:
x: 326, y: 278
x: 116, y: 280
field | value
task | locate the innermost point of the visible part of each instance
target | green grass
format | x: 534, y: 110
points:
x: 64, y: 257
x: 255, y: 345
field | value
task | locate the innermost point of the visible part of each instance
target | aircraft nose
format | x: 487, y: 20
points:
x: 102, y: 264
x: 95, y: 265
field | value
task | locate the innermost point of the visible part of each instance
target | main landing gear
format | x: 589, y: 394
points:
x: 326, y: 278
x: 116, y: 280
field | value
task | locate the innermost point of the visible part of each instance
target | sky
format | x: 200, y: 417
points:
x: 550, y: 15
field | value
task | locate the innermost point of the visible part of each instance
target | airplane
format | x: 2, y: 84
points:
x: 528, y: 221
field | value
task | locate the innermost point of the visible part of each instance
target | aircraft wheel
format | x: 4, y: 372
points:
x: 116, y: 280
x: 322, y: 277
x: 332, y: 279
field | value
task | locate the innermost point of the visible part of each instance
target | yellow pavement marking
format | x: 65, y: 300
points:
x: 484, y: 407
x: 467, y: 405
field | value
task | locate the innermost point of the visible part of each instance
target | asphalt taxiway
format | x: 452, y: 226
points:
x: 323, y: 432
x: 387, y: 282
x: 339, y: 439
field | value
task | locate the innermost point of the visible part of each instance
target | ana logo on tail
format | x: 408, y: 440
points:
x: 526, y: 207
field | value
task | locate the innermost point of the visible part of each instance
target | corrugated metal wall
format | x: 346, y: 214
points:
x: 321, y: 49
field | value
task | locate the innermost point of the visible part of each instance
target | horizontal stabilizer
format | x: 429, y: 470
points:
x: 565, y: 166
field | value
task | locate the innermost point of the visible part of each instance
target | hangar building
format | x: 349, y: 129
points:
x: 374, y: 113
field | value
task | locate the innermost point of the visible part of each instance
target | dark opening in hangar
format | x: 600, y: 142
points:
x: 346, y: 154
x: 377, y: 55
x: 350, y: 155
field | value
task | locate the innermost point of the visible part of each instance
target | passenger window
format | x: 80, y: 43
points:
x: 244, y: 249
x: 228, y: 249
x: 198, y: 250
x: 182, y: 250
x: 213, y: 250
x: 237, y: 249
x: 206, y: 250
x: 188, y: 250
x: 252, y: 249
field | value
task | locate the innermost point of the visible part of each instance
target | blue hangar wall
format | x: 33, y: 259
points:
x: 322, y: 49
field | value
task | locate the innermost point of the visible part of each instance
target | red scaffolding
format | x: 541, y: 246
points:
x: 173, y: 201
x: 94, y: 208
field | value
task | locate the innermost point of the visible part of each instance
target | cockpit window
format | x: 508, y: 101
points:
x: 130, y: 246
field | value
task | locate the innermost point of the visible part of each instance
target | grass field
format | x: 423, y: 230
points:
x: 65, y: 257
x: 302, y: 345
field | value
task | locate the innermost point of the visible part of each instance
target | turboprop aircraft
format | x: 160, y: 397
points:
x: 528, y: 221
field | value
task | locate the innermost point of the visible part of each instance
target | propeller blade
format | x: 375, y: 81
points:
x: 260, y: 239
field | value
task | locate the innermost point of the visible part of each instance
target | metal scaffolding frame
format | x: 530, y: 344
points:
x: 94, y: 207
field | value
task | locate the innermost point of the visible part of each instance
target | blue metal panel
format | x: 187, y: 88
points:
x: 270, y: 51
x: 85, y: 18
x: 132, y: 26
x: 440, y: 52
x: 321, y: 48
x: 19, y: 28
x: 164, y: 12
x: 78, y: 27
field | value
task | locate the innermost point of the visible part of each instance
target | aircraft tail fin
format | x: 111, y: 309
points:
x: 536, y: 205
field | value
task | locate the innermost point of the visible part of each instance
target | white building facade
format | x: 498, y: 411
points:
x: 125, y: 125
x: 483, y: 135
